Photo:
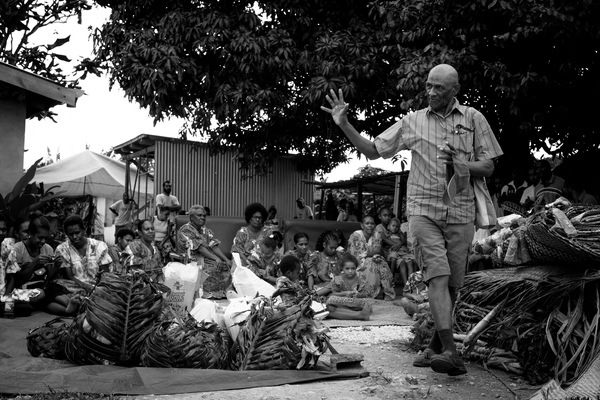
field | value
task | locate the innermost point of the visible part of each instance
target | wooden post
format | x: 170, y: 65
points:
x: 359, y: 211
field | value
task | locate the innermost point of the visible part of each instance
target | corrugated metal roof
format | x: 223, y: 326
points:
x: 216, y: 180
x: 379, y: 185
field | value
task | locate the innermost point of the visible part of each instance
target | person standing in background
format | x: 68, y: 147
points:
x: 166, y: 202
x: 303, y: 211
x: 124, y: 211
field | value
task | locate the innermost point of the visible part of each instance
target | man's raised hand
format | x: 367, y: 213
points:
x: 338, y: 108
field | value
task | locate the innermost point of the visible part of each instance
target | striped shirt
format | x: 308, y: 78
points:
x: 546, y: 194
x: 423, y: 132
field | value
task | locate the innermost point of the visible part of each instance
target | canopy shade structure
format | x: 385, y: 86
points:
x: 89, y: 173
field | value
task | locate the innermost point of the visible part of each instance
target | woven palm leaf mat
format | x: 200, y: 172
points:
x: 384, y: 313
x: 587, y: 386
x: 20, y: 373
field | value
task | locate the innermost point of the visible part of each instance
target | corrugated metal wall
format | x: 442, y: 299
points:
x: 216, y: 181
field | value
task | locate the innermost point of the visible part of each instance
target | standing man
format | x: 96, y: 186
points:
x: 442, y: 139
x: 302, y: 211
x: 166, y: 202
x: 124, y: 211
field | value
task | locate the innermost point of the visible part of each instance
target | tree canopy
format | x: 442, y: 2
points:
x: 252, y: 75
x: 22, y: 25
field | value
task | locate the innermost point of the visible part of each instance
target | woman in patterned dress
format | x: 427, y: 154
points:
x: 143, y: 254
x: 248, y: 237
x: 365, y: 245
x: 308, y: 260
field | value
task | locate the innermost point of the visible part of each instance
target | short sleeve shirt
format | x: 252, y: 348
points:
x: 85, y: 268
x: 19, y: 255
x: 125, y: 212
x: 188, y: 237
x: 423, y: 132
x: 168, y: 201
x: 304, y: 213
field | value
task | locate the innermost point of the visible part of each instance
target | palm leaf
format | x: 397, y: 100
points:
x: 118, y: 316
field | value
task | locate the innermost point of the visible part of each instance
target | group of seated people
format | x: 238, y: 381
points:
x: 54, y: 279
x: 536, y: 188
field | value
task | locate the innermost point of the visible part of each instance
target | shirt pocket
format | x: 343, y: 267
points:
x: 462, y: 142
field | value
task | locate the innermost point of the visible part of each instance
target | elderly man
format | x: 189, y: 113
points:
x: 443, y: 138
x: 200, y: 241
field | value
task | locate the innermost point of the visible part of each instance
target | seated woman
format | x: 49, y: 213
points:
x: 20, y: 230
x: 31, y: 266
x: 199, y: 242
x: 365, y: 245
x: 264, y: 262
x: 328, y: 261
x: 80, y: 258
x: 26, y: 263
x: 308, y: 260
x: 248, y: 237
x: 143, y: 254
x: 117, y: 251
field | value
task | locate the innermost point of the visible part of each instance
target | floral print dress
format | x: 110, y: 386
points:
x: 329, y: 267
x: 308, y: 265
x: 377, y: 275
x: 150, y: 261
x: 245, y: 241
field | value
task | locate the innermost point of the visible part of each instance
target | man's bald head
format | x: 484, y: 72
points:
x: 442, y: 85
x: 445, y: 72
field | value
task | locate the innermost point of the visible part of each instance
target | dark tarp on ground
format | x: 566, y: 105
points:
x: 30, y: 375
x: 22, y: 374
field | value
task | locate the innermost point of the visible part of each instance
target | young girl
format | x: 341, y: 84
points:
x: 414, y: 294
x: 264, y: 261
x: 30, y: 266
x: 399, y: 257
x: 288, y: 285
x: 329, y: 261
x: 349, y: 284
x: 308, y: 259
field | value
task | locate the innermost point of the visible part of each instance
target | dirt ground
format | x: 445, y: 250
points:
x: 391, y: 376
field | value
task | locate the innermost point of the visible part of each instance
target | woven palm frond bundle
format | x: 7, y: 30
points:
x: 48, y: 340
x: 549, y: 242
x: 115, y: 320
x: 547, y: 316
x: 189, y: 344
x: 290, y: 339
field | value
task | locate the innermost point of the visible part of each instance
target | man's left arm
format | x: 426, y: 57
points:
x: 485, y: 147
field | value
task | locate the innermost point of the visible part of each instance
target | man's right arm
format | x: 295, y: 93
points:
x: 339, y: 113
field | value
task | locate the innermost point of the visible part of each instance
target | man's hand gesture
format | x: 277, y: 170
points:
x: 338, y: 108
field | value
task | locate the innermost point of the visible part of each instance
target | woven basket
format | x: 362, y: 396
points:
x: 48, y: 340
x: 514, y: 208
x: 546, y: 246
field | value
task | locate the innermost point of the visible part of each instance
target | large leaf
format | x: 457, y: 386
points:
x: 25, y: 179
x: 59, y: 42
x: 117, y: 318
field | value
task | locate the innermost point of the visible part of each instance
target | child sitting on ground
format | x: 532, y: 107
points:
x: 399, y: 257
x: 329, y: 262
x: 414, y: 294
x: 264, y: 260
x: 288, y: 284
x: 348, y: 289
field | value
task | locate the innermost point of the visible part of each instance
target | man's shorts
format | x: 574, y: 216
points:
x: 441, y: 249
